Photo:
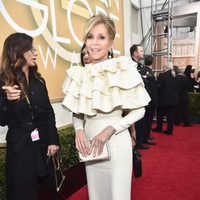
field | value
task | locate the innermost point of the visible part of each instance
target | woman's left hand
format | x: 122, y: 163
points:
x: 133, y: 134
x: 98, y: 141
x: 52, y: 149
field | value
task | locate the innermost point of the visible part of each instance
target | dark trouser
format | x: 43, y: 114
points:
x: 169, y: 111
x: 182, y: 113
x: 139, y: 128
x: 49, y: 188
x: 148, y: 119
x: 22, y: 174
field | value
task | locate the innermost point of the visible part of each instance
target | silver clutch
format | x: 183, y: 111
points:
x: 105, y: 155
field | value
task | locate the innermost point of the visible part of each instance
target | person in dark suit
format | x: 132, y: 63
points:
x: 151, y: 87
x: 25, y: 108
x: 182, y: 110
x: 167, y: 98
x: 137, y: 54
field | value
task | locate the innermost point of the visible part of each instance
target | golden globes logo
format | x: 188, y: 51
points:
x: 42, y: 15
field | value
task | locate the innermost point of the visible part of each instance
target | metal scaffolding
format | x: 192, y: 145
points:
x: 161, y: 31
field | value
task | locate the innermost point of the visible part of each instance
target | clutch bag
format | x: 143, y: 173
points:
x: 105, y: 155
x: 137, y: 165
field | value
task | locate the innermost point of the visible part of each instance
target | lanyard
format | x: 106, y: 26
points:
x: 27, y: 99
x: 29, y: 103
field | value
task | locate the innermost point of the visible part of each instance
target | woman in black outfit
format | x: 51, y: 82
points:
x: 198, y: 81
x: 189, y: 73
x: 26, y: 110
x: 182, y: 109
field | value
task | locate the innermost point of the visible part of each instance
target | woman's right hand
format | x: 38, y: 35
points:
x: 12, y: 92
x: 82, y: 143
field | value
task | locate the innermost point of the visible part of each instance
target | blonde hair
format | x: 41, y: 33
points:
x: 100, y: 19
x: 169, y: 66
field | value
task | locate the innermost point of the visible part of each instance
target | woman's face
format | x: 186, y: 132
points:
x: 98, y: 43
x: 86, y: 56
x: 30, y: 56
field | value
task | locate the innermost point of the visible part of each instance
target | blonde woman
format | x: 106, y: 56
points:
x: 98, y: 95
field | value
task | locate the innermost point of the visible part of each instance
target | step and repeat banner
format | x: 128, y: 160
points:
x: 57, y: 29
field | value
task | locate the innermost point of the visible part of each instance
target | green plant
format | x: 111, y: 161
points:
x: 2, y: 174
x: 68, y: 150
x: 194, y: 99
x: 194, y: 107
x: 68, y: 154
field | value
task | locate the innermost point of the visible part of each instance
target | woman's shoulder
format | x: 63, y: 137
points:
x: 75, y: 68
x: 75, y: 71
x: 124, y: 61
x: 122, y: 64
x: 122, y: 70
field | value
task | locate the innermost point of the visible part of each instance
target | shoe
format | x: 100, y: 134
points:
x: 156, y: 130
x: 150, y: 142
x: 187, y: 125
x: 144, y: 147
x: 151, y: 138
x: 167, y: 132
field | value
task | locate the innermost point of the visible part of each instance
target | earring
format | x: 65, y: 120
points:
x: 110, y: 54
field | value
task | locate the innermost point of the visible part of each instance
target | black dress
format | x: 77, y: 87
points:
x: 182, y: 110
x: 25, y: 159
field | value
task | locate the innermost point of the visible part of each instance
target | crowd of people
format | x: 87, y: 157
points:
x: 112, y: 100
x: 169, y: 96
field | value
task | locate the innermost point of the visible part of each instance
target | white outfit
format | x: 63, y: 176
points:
x: 101, y: 92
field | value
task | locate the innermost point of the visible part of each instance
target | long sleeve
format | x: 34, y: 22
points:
x: 6, y: 108
x: 77, y: 121
x: 50, y: 122
x: 128, y: 120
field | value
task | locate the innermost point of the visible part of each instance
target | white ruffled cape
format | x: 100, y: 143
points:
x: 104, y: 86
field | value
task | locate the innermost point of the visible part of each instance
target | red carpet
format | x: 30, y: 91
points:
x: 170, y: 169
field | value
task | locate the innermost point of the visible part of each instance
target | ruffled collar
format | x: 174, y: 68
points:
x: 104, y: 86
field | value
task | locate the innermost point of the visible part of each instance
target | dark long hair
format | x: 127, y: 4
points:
x: 188, y: 70
x: 12, y: 60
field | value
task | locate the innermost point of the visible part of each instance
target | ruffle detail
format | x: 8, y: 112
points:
x: 104, y: 86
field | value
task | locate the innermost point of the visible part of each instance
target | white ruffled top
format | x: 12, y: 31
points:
x: 104, y: 86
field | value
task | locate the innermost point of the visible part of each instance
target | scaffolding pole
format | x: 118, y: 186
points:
x: 161, y: 34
